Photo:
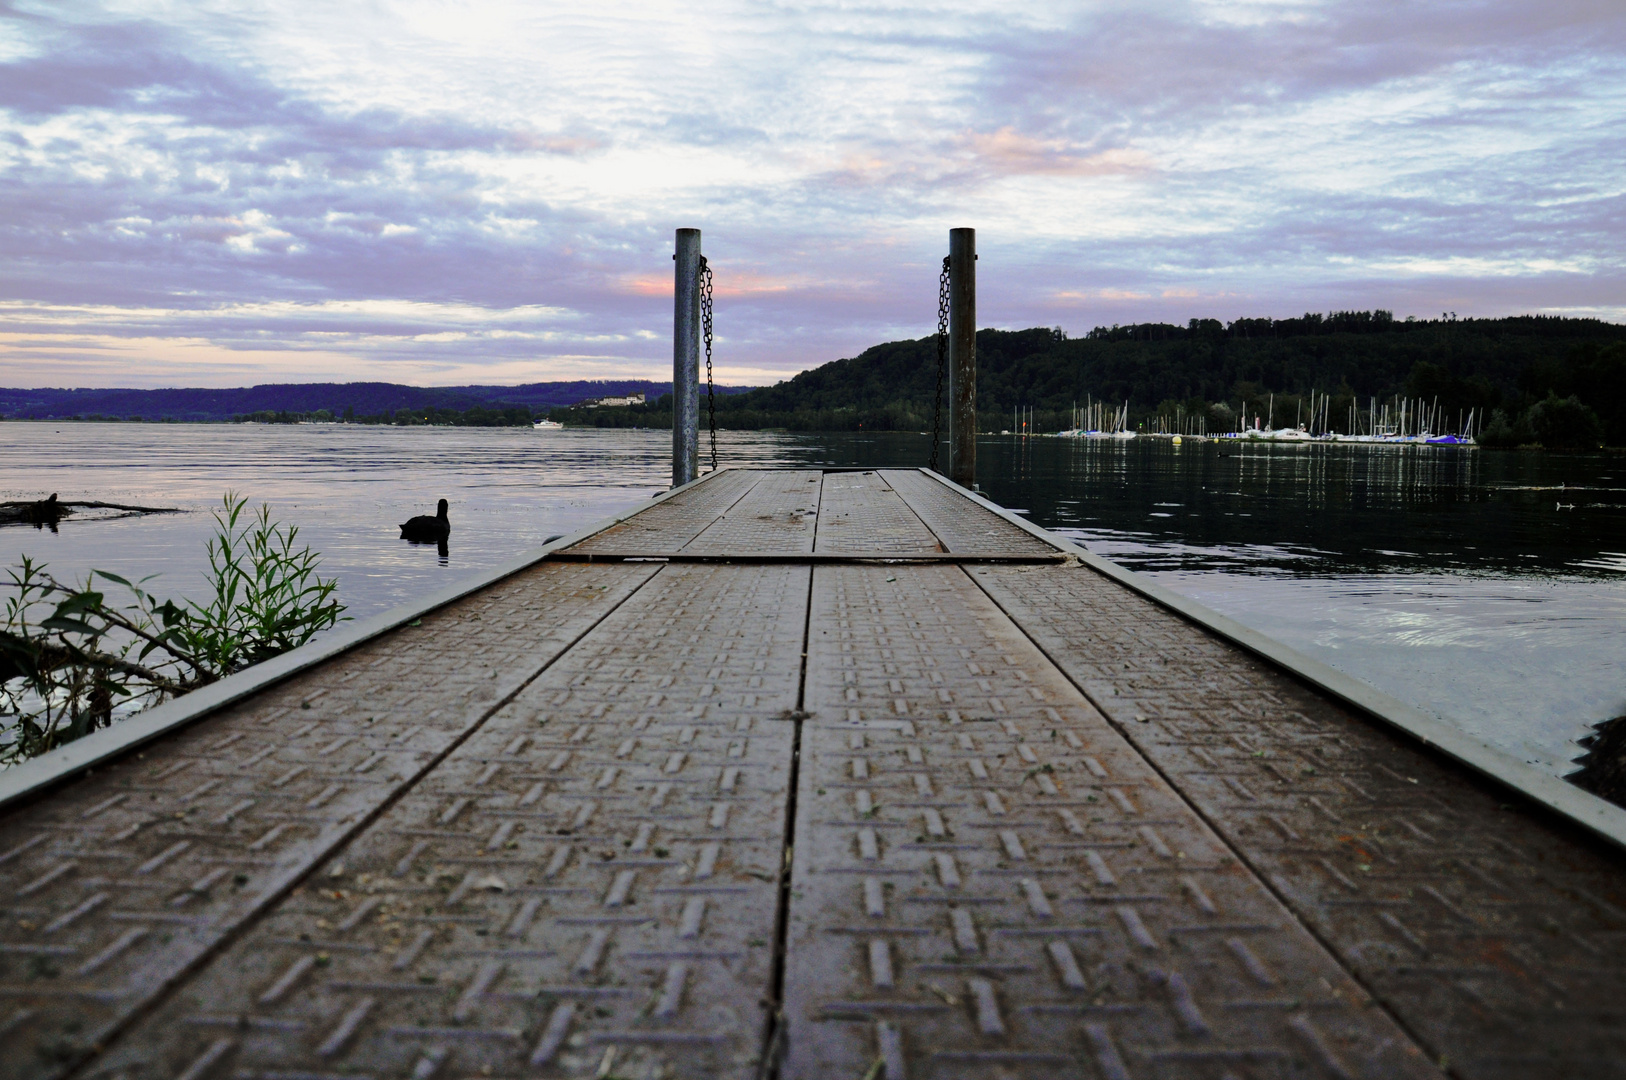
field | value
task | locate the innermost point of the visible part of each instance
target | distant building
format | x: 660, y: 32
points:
x: 630, y: 399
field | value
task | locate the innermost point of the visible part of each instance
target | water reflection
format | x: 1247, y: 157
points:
x: 1460, y: 581
x: 1452, y: 579
x: 441, y: 547
x: 41, y: 513
x: 1355, y: 507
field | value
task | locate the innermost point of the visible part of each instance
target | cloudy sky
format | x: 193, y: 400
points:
x: 212, y: 193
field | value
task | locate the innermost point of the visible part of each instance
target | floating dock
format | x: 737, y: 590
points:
x: 799, y: 774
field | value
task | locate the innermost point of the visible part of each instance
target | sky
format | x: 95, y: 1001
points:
x: 197, y: 193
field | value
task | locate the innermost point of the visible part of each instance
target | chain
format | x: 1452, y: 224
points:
x: 705, y: 329
x: 942, y: 356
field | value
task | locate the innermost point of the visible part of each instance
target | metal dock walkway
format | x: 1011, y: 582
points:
x: 765, y: 808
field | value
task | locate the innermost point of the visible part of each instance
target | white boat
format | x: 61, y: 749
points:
x: 547, y: 425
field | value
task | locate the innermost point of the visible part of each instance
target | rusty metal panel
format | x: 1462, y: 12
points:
x: 586, y: 886
x: 111, y: 886
x: 861, y: 513
x: 959, y: 523
x: 778, y: 514
x: 1496, y: 934
x: 667, y: 526
x: 988, y: 880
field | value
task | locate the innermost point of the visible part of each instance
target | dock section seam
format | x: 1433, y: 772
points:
x: 773, y: 1040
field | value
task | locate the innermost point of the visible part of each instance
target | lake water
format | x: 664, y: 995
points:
x: 1488, y: 589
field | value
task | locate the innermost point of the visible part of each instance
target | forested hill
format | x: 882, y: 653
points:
x: 361, y: 398
x: 1209, y: 368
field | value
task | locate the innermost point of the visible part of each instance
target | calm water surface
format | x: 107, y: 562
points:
x: 1485, y: 588
x: 1488, y: 589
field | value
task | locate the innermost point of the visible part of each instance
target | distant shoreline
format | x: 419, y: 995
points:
x: 1218, y: 440
x: 303, y: 400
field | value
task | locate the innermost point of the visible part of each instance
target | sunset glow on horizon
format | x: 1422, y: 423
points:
x: 219, y: 194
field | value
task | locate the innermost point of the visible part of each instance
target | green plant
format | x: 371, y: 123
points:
x: 68, y: 656
x: 1503, y: 432
x: 267, y: 596
x: 1565, y: 423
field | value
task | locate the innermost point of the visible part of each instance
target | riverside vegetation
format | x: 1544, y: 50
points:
x: 71, y: 657
x: 433, y: 416
x: 1556, y: 382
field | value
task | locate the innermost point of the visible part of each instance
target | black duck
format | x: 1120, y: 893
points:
x: 424, y: 529
x: 45, y: 511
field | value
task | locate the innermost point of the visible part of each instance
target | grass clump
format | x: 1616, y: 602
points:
x: 71, y: 656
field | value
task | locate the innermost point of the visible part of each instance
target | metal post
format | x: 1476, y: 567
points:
x: 963, y: 356
x: 686, y: 358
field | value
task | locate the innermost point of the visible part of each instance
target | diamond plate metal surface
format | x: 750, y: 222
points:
x: 861, y: 513
x: 543, y: 834
x: 111, y: 886
x: 988, y: 880
x: 1496, y: 935
x: 962, y: 525
x: 587, y: 886
x: 777, y: 514
x: 667, y: 526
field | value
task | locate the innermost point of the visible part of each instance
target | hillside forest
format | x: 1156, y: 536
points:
x: 1529, y: 380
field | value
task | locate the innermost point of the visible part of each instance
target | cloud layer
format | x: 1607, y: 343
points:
x: 433, y: 192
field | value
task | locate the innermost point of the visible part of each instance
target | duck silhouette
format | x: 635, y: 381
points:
x: 44, y: 512
x: 424, y: 529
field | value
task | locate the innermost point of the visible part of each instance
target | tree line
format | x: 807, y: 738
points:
x: 474, y: 416
x: 1528, y: 379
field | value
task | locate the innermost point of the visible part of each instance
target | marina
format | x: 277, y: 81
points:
x: 1400, y: 423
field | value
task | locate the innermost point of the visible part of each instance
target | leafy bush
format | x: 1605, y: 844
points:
x: 1505, y: 433
x: 1565, y: 423
x: 69, y: 656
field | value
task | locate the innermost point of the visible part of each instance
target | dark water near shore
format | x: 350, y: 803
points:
x: 1486, y: 588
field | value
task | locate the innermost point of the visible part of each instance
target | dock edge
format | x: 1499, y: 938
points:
x: 40, y: 774
x: 1599, y: 817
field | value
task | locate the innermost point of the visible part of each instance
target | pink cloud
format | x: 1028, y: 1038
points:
x: 1008, y: 152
